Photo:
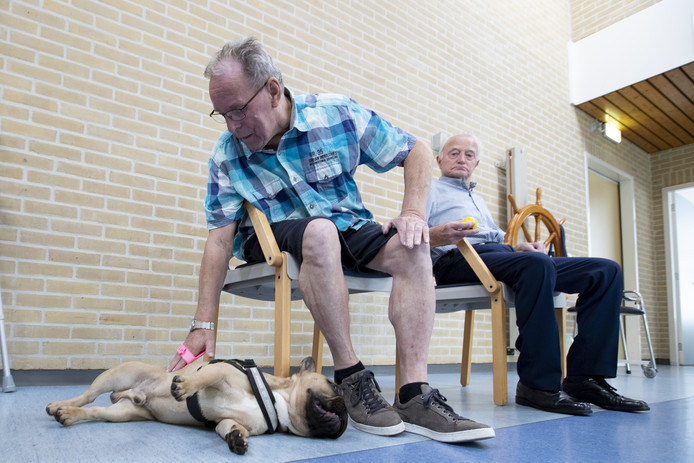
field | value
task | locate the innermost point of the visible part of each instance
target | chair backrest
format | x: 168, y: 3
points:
x: 542, y: 217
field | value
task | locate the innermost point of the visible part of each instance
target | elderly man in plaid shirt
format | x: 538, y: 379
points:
x: 294, y: 157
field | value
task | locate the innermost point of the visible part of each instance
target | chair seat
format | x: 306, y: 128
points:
x: 626, y: 310
x: 474, y: 296
x: 257, y: 281
x: 466, y: 296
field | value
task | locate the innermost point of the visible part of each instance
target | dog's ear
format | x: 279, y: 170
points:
x: 307, y: 364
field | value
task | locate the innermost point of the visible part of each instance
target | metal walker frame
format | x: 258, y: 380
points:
x: 7, y: 381
x: 649, y: 369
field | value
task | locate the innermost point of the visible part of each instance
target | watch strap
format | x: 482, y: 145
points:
x: 197, y: 325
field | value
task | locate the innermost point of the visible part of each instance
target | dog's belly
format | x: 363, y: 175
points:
x: 172, y: 412
x: 238, y: 406
x: 154, y: 394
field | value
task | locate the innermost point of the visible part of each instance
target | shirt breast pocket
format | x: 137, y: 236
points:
x: 322, y: 173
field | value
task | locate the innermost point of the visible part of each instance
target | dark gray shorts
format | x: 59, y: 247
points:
x: 359, y: 247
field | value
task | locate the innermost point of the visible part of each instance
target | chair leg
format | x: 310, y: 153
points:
x: 466, y: 360
x: 282, y: 319
x: 560, y: 312
x: 500, y: 371
x: 317, y: 352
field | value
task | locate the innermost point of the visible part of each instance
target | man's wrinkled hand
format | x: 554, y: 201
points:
x: 197, y: 341
x: 412, y: 230
x: 456, y: 231
x: 530, y: 247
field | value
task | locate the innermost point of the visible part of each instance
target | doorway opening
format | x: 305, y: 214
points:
x: 678, y: 221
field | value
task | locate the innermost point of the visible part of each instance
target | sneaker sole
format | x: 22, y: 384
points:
x: 378, y: 430
x: 451, y: 437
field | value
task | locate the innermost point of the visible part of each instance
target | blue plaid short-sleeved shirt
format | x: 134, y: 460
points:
x: 311, y: 173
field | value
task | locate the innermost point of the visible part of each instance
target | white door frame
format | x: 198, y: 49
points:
x: 673, y: 310
x: 630, y: 267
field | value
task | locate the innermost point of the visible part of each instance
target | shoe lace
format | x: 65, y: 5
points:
x: 604, y: 384
x: 434, y: 397
x: 367, y: 389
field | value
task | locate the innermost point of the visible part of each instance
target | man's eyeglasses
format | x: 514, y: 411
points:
x: 233, y: 114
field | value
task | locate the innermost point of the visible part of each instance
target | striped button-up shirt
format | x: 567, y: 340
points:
x: 312, y: 171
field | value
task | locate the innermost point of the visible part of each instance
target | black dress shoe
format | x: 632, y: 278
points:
x: 598, y: 392
x: 556, y: 402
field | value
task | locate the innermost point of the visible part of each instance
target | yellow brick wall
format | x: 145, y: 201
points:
x: 104, y: 139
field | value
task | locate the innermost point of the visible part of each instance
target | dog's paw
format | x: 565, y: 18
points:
x: 237, y: 441
x: 180, y: 388
x: 51, y: 408
x: 67, y: 415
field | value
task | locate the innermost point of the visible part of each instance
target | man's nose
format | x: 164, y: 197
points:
x: 232, y: 125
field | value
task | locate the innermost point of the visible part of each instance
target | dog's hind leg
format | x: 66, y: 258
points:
x: 235, y: 435
x: 121, y: 411
x: 118, y: 378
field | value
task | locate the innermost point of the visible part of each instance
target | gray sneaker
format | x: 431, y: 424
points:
x: 429, y: 415
x: 367, y: 409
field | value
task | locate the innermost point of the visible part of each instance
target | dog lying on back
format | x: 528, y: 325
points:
x: 307, y: 403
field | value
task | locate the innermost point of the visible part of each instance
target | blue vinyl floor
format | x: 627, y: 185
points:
x: 666, y: 433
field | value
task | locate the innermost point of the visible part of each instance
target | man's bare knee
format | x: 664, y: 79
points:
x: 320, y: 240
x: 397, y: 260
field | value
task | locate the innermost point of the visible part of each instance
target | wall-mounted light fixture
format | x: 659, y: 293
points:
x: 609, y: 129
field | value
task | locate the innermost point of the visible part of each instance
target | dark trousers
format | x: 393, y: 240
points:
x: 534, y: 277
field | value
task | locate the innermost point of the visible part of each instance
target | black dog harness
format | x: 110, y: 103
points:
x: 261, y: 390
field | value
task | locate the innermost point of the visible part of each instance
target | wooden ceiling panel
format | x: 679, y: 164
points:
x: 679, y: 100
x: 689, y: 70
x: 680, y: 125
x: 598, y: 112
x: 611, y: 105
x: 655, y: 114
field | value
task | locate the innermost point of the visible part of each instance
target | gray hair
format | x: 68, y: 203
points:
x: 256, y: 63
x: 439, y: 155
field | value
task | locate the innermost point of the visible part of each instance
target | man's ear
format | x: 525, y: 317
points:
x: 275, y: 90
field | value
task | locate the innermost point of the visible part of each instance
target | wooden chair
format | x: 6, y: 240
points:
x: 492, y: 294
x: 276, y: 279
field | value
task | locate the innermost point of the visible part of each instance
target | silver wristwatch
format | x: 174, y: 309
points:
x: 197, y: 325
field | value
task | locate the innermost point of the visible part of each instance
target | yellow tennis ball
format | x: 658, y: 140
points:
x: 471, y: 219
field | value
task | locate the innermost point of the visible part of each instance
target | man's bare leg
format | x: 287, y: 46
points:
x: 411, y: 305
x: 324, y: 290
